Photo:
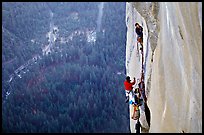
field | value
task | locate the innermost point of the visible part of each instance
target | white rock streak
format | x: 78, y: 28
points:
x: 100, y: 15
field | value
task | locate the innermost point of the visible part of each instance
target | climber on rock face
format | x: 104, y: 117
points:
x: 139, y: 31
x: 137, y: 96
x: 128, y: 87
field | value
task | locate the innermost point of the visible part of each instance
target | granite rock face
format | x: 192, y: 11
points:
x: 172, y: 63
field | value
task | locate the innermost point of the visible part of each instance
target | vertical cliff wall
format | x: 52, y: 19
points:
x: 173, y: 63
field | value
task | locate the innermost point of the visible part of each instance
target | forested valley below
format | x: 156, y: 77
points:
x: 76, y: 86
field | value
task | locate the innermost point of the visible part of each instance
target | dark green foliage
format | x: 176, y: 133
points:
x: 76, y: 90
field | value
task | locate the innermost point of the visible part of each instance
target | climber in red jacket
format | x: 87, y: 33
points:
x: 128, y: 87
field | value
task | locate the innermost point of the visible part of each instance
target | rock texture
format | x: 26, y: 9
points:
x: 173, y: 63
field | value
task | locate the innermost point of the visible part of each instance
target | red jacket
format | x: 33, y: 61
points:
x: 128, y: 85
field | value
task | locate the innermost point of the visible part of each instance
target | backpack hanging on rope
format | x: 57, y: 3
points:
x: 136, y: 112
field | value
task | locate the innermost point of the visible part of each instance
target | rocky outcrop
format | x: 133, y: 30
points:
x: 173, y: 63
